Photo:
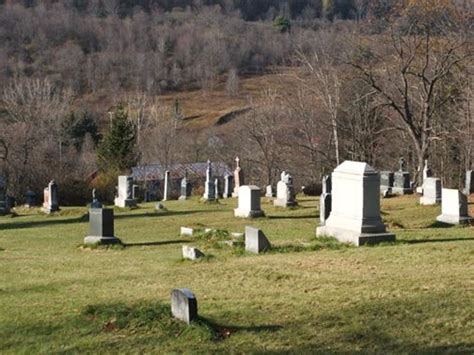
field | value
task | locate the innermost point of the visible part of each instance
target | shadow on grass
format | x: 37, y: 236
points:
x: 162, y: 213
x: 293, y: 217
x: 439, y: 224
x: 441, y: 240
x: 48, y: 221
x: 164, y: 242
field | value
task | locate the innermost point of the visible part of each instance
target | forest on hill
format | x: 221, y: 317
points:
x: 369, y: 80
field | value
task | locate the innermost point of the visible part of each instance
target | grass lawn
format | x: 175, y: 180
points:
x: 416, y: 295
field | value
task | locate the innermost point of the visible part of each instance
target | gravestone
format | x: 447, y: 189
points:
x: 185, y: 231
x: 101, y: 225
x: 431, y: 191
x: 30, y: 199
x: 469, y: 188
x: 217, y: 189
x: 135, y: 192
x: 285, y: 191
x: 186, y: 188
x: 355, y: 213
x: 256, y: 241
x: 228, y: 183
x: 50, y: 203
x: 401, y: 183
x: 191, y: 253
x: 269, y: 191
x: 325, y: 200
x: 454, y: 207
x: 386, y: 180
x: 184, y: 305
x: 166, y: 189
x: 124, y: 192
x: 427, y: 171
x: 3, y: 197
x: 249, y: 202
x: 238, y: 178
x: 95, y: 201
x: 209, y: 186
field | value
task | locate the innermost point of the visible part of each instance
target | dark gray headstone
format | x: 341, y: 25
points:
x: 184, y: 305
x: 255, y: 240
x: 325, y: 203
x: 30, y: 199
x: 386, y: 180
x: 402, y: 183
x: 101, y: 227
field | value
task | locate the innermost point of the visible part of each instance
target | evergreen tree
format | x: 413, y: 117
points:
x: 117, y: 150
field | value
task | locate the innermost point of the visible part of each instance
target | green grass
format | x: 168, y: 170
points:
x: 305, y: 295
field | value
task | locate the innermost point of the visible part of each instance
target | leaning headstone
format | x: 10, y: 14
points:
x: 209, y: 187
x: 184, y: 305
x: 285, y: 191
x: 386, y: 180
x: 355, y: 213
x: 238, y: 178
x: 249, y: 202
x: 101, y: 225
x: 3, y: 196
x: 431, y: 191
x: 191, y: 253
x: 228, y: 182
x: 454, y: 207
x: 255, y: 240
x: 325, y: 200
x: 186, y: 188
x: 124, y: 192
x: 469, y: 188
x: 50, y: 203
x: 30, y: 199
x: 166, y: 190
x: 401, y: 180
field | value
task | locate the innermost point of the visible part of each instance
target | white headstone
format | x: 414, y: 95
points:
x: 166, y: 189
x: 431, y: 191
x: 186, y: 231
x: 249, y: 202
x: 355, y: 208
x: 191, y: 253
x: 269, y: 191
x: 285, y: 191
x: 184, y: 305
x: 124, y: 191
x: 238, y: 177
x: 255, y: 240
x: 209, y: 185
x: 50, y: 203
x: 453, y: 207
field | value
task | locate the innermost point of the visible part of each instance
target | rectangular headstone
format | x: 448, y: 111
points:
x: 249, y: 202
x: 453, y: 207
x: 469, y: 188
x: 101, y: 227
x: 187, y: 231
x: 191, y: 253
x: 386, y: 180
x: 431, y: 191
x: 255, y: 240
x: 401, y: 183
x: 184, y: 305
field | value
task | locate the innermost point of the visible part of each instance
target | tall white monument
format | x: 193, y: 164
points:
x: 355, y: 211
x: 249, y: 202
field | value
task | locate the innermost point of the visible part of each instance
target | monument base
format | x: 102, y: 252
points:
x: 284, y: 203
x: 356, y: 238
x: 429, y: 201
x: 401, y: 191
x: 248, y: 214
x: 443, y: 218
x: 125, y: 203
x: 90, y: 240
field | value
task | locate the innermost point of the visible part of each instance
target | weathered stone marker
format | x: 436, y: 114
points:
x: 454, y: 207
x: 50, y: 203
x: 431, y: 191
x: 249, y: 202
x: 386, y: 180
x: 184, y: 305
x: 101, y: 224
x: 427, y: 171
x: 228, y: 182
x: 186, y: 188
x: 186, y: 231
x: 269, y: 191
x: 255, y: 240
x: 355, y: 214
x: 325, y: 200
x: 191, y: 253
x: 209, y: 186
x: 285, y: 191
x: 125, y: 192
x: 238, y: 178
x: 30, y: 199
x: 166, y: 190
x: 469, y: 188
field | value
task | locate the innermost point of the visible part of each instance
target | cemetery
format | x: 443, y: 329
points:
x: 233, y: 177
x: 262, y: 278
